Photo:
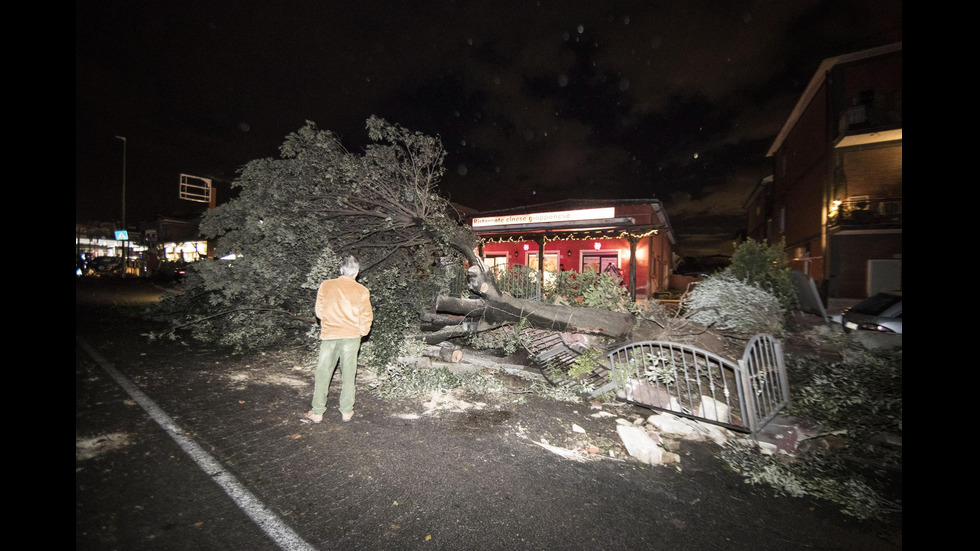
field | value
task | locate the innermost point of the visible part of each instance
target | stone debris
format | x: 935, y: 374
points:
x: 585, y: 452
x: 87, y: 448
x: 654, y: 440
x: 783, y: 435
x: 450, y: 402
x: 645, y: 446
x: 651, y: 440
x: 689, y: 429
x: 712, y: 409
x: 579, y: 454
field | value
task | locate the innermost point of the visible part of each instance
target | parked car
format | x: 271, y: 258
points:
x: 881, y: 313
x: 105, y: 266
x: 171, y: 270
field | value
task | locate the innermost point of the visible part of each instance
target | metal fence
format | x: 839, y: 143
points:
x: 763, y: 374
x: 459, y: 282
x: 698, y: 384
x: 517, y: 279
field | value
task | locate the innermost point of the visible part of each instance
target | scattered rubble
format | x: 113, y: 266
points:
x: 783, y: 435
x: 653, y: 440
x: 87, y: 448
x: 644, y: 445
x: 448, y: 401
x: 575, y: 455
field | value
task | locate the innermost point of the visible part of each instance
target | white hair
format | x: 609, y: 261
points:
x: 350, y: 267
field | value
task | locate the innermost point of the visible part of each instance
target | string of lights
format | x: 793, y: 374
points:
x: 570, y: 236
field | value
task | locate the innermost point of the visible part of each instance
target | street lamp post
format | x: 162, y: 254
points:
x: 125, y: 243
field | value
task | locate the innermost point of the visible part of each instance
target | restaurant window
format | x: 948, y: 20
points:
x: 550, y: 261
x: 605, y: 263
x: 492, y: 260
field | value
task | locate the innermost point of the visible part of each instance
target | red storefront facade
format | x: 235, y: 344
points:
x: 631, y: 239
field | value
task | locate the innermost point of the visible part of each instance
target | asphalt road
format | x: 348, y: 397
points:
x: 186, y: 447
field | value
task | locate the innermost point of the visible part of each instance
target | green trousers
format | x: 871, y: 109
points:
x: 332, y: 350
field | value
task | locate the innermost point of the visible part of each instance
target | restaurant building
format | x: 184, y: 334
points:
x: 631, y: 239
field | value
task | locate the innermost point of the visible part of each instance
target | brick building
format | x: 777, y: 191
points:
x: 835, y: 194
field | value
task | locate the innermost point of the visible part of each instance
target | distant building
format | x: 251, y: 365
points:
x: 170, y: 239
x: 835, y: 194
x: 631, y: 239
x: 173, y: 229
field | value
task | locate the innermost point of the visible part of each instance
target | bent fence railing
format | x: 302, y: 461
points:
x: 698, y: 384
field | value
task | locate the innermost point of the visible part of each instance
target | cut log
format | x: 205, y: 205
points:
x: 444, y: 334
x: 445, y: 352
x: 474, y: 307
x: 442, y: 320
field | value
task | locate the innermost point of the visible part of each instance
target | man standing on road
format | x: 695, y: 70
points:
x: 344, y: 308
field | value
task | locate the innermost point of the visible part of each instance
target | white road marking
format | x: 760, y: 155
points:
x: 268, y: 521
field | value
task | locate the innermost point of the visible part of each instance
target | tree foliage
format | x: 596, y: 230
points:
x: 297, y: 215
x: 590, y: 289
x: 857, y: 402
x: 763, y: 265
x: 725, y: 303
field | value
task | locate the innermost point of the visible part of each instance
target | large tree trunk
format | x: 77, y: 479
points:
x: 496, y: 308
x: 455, y: 316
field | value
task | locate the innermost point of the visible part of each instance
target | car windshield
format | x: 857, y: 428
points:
x: 877, y: 304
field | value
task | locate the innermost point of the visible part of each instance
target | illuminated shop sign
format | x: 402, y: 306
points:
x: 544, y: 217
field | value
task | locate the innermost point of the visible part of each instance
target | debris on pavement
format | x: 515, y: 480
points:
x: 87, y: 448
x: 575, y: 455
x: 645, y: 446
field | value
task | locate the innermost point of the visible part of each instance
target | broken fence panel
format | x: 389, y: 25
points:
x: 698, y: 384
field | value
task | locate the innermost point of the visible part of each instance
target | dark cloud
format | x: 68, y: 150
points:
x: 534, y: 101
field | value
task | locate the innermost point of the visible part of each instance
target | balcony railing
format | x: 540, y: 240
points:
x: 869, y: 116
x: 866, y: 212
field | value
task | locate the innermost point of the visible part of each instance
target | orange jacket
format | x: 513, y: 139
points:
x: 344, y: 308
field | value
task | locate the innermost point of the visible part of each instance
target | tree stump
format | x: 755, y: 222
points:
x: 445, y: 352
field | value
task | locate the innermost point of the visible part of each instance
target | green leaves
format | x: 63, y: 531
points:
x: 297, y: 215
x: 729, y: 304
x: 856, y: 401
x: 764, y: 265
x: 589, y: 289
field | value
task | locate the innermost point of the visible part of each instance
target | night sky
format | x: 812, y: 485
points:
x: 535, y: 101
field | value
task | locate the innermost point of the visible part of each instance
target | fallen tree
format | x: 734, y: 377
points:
x: 298, y: 215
